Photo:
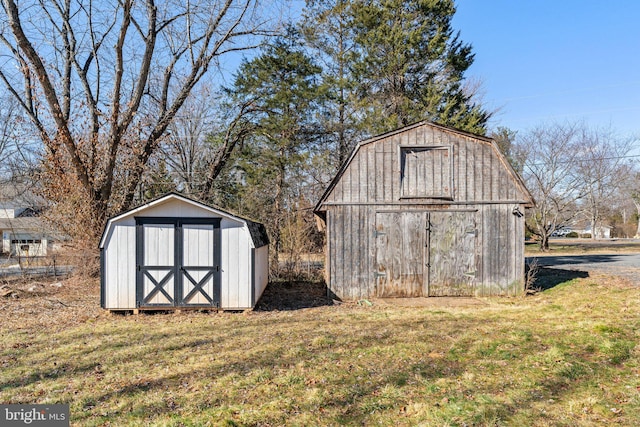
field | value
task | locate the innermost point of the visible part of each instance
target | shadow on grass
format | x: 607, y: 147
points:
x: 293, y: 295
x: 547, y: 278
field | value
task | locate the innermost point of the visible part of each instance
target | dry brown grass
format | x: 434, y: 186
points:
x: 563, y: 357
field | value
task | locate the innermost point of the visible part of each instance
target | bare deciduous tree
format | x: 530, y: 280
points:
x: 628, y: 180
x: 185, y: 149
x: 547, y: 155
x: 598, y: 161
x: 103, y: 81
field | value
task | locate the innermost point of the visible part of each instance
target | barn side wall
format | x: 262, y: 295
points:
x: 351, y: 249
x: 351, y: 252
x: 502, y: 248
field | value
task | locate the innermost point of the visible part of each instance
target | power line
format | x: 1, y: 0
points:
x: 579, y: 160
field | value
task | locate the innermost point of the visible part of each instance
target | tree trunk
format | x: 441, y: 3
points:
x: 544, y: 243
x: 637, y: 204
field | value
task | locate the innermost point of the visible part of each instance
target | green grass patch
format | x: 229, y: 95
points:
x: 567, y: 356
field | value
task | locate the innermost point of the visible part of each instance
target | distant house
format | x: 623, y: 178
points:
x: 602, y: 231
x: 24, y: 233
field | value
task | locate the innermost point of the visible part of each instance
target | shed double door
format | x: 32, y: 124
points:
x: 425, y: 253
x: 178, y: 262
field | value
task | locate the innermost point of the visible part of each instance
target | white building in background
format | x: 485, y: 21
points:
x: 24, y: 233
x: 602, y: 231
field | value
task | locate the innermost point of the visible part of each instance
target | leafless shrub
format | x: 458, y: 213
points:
x: 531, y: 272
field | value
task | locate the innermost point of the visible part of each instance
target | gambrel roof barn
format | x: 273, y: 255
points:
x: 425, y: 210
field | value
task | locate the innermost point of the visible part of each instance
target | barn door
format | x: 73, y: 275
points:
x: 178, y: 262
x: 452, y: 253
x: 400, y: 254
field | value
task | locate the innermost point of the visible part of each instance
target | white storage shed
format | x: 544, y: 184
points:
x: 176, y: 253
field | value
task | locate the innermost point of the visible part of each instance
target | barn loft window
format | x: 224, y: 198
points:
x: 426, y: 172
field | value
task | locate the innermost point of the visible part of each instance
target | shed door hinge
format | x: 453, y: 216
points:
x: 380, y: 274
x: 377, y: 233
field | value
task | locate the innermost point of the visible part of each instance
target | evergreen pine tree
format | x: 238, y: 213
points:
x: 402, y: 61
x: 282, y: 84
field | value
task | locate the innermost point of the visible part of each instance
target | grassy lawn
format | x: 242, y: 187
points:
x: 566, y: 246
x: 563, y: 357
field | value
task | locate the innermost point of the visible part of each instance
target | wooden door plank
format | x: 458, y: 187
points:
x: 452, y: 253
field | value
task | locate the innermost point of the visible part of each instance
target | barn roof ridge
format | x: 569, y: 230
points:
x: 444, y: 128
x: 256, y: 229
x: 423, y: 123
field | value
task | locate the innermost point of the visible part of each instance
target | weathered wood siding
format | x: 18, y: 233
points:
x: 502, y: 240
x: 452, y: 252
x: 478, y: 173
x: 400, y: 239
x: 376, y: 243
x: 491, y: 263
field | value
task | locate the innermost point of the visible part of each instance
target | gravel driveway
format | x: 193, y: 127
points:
x: 622, y: 264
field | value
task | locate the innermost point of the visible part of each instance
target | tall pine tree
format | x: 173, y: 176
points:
x: 404, y: 62
x: 411, y: 65
x: 327, y: 28
x: 282, y: 84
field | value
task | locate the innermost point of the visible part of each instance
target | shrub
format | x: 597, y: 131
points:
x: 572, y: 234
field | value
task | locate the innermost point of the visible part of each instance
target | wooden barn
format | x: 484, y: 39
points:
x: 425, y: 210
x: 176, y: 253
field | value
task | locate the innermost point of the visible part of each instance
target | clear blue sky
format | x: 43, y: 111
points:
x: 545, y: 60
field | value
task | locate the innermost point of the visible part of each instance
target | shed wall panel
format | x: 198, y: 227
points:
x: 245, y: 270
x: 260, y: 271
x: 230, y: 267
x: 176, y: 209
x: 236, y: 266
x: 120, y: 268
